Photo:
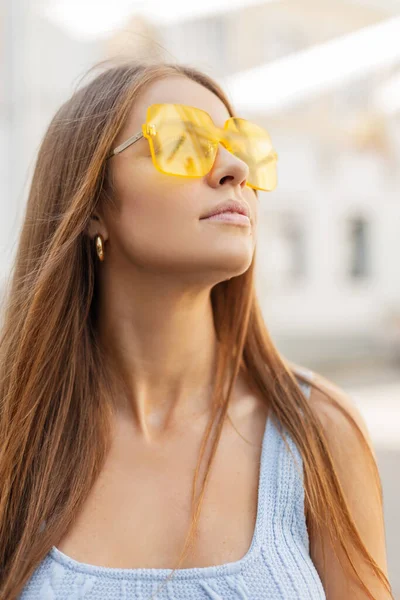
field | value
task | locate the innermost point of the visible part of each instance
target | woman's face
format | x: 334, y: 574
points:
x: 155, y: 225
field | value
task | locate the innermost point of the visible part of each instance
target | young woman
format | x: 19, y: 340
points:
x: 148, y: 423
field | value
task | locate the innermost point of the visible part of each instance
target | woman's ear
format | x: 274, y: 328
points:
x: 96, y: 225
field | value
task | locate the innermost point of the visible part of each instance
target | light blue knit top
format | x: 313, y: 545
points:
x: 277, y: 566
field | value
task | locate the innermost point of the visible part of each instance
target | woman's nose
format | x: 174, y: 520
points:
x: 227, y: 168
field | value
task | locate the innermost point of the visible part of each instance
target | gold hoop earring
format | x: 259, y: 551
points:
x: 99, y: 242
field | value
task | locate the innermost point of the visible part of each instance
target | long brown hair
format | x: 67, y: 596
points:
x: 55, y: 382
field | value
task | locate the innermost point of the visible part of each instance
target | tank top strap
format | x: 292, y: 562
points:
x: 281, y: 491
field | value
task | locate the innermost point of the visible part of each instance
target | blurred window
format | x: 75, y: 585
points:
x: 359, y: 246
x: 284, y: 248
x: 293, y: 236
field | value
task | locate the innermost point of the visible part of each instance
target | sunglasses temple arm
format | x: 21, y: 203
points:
x: 126, y: 144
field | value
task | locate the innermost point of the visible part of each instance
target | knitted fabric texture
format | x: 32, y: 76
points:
x: 277, y: 566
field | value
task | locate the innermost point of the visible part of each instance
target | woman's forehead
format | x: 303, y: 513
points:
x: 177, y: 90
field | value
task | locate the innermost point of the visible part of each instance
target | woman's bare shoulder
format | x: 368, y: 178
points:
x: 335, y: 408
x: 346, y: 433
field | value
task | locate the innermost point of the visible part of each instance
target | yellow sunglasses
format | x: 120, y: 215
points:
x: 184, y: 141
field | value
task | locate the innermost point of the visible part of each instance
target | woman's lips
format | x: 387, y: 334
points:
x: 233, y: 218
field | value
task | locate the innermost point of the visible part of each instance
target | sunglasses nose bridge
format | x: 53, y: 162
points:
x: 223, y: 140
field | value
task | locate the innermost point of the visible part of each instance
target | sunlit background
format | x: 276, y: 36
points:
x: 323, y: 77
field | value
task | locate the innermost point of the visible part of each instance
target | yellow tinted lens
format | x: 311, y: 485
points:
x: 180, y: 139
x: 252, y: 144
